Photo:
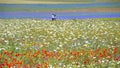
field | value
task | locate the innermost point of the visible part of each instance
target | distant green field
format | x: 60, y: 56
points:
x: 101, y: 7
x: 9, y: 9
x: 54, y: 1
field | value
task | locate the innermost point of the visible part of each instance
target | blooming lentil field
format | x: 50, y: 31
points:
x: 85, y: 43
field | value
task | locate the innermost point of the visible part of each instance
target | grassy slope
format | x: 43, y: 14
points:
x: 100, y: 9
x: 42, y: 1
x: 39, y: 9
x: 3, y: 8
x: 54, y: 1
x: 113, y: 19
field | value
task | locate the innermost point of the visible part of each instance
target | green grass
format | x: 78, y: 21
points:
x: 54, y: 1
x: 91, y: 43
x: 43, y: 1
x: 110, y: 19
x: 3, y: 9
x: 9, y: 9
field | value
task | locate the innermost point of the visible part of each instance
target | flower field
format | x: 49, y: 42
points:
x: 85, y: 43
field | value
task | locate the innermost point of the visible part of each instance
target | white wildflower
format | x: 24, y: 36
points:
x: 60, y: 45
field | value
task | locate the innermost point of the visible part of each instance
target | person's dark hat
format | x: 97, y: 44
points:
x: 54, y: 14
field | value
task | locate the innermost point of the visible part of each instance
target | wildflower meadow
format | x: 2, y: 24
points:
x: 83, y: 43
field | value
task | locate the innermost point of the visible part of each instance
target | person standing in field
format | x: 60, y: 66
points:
x: 53, y: 17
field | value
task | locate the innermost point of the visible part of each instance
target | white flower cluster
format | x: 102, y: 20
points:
x: 61, y: 34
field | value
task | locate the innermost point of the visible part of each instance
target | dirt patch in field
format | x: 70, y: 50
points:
x: 92, y: 10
